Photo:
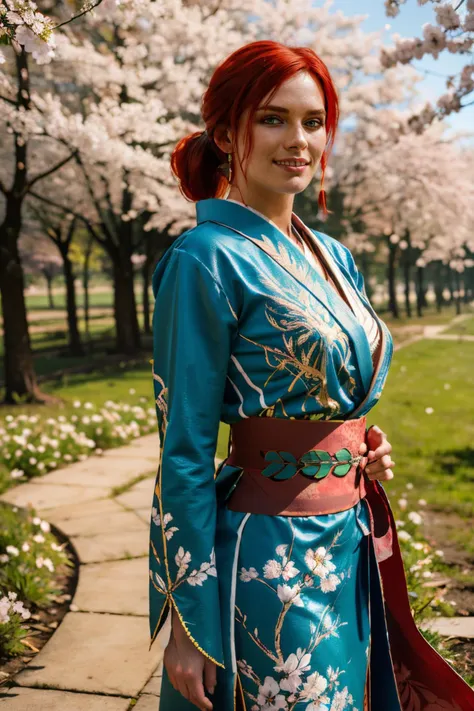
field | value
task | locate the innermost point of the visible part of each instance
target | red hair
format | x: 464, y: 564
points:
x: 239, y: 83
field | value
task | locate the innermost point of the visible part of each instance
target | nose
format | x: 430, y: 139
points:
x: 296, y: 137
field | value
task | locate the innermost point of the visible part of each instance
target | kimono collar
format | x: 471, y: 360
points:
x: 267, y: 236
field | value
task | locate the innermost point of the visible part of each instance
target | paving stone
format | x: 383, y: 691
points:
x: 147, y: 703
x: 149, y: 440
x: 144, y: 514
x: 140, y: 496
x: 22, y: 699
x: 72, y: 511
x: 153, y: 686
x: 100, y: 472
x: 120, y: 587
x: 159, y: 670
x: 148, y: 446
x: 111, y: 546
x: 98, y: 524
x: 105, y: 654
x: 452, y: 626
x: 47, y: 496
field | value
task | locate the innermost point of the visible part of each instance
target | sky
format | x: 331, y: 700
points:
x: 409, y: 23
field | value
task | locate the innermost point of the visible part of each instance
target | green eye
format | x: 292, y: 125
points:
x: 316, y: 122
x: 267, y: 118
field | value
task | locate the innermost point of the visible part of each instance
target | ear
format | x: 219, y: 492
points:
x: 223, y: 138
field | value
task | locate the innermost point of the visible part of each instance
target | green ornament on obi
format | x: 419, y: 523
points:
x: 316, y: 464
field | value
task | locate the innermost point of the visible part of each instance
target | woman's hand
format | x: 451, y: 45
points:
x: 188, y: 670
x: 379, y: 462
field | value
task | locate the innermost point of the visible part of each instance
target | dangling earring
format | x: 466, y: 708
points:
x: 322, y: 201
x: 226, y: 168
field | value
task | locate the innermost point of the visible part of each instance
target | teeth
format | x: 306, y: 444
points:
x: 290, y: 162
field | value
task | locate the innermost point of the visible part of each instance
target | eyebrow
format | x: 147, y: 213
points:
x: 282, y: 110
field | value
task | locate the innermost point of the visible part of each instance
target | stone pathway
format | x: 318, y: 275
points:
x: 98, y: 659
x: 437, y: 332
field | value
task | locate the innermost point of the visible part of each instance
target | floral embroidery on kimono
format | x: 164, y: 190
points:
x: 244, y: 326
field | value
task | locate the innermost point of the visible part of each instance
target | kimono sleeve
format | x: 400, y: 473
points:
x: 193, y: 328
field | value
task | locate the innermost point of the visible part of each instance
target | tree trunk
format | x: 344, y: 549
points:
x: 20, y: 377
x: 406, y: 279
x: 146, y: 269
x: 75, y: 345
x: 85, y: 288
x: 125, y: 308
x: 49, y: 287
x: 457, y: 278
x: 449, y: 275
x: 420, y: 292
x: 391, y: 277
x: 438, y: 286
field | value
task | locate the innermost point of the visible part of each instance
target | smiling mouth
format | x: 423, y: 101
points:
x: 291, y: 165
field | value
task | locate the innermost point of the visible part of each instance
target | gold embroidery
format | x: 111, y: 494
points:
x: 208, y: 656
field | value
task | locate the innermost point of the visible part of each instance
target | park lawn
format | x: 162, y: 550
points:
x: 431, y: 317
x: 58, y: 319
x: 434, y: 452
x: 463, y: 328
x: 97, y: 387
x: 96, y: 299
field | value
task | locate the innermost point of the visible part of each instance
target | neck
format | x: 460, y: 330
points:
x: 276, y: 207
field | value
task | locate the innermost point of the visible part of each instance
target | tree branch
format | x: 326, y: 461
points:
x: 8, y: 101
x: 70, y: 232
x: 94, y: 200
x: 76, y: 17
x: 53, y: 169
x: 68, y: 210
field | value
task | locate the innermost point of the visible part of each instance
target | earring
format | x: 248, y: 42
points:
x: 226, y: 168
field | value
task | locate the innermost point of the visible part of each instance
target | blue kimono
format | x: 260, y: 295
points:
x: 244, y: 325
x: 297, y: 612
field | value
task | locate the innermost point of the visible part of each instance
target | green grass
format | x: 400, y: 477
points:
x: 430, y: 317
x: 59, y: 320
x: 95, y: 387
x: 432, y: 451
x: 463, y: 328
x: 96, y: 299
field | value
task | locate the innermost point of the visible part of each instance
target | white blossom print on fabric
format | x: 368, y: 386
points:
x: 295, y: 682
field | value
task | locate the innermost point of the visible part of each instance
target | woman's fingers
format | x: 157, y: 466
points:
x: 196, y: 693
x: 378, y: 470
x: 210, y: 677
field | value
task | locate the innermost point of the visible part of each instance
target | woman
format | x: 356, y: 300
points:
x: 273, y: 568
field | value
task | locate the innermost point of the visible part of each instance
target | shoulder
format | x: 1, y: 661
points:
x: 210, y: 247
x: 209, y: 241
x: 338, y: 250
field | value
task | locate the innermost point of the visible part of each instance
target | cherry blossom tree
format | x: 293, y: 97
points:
x: 22, y: 25
x: 20, y: 172
x: 41, y: 262
x: 415, y: 197
x: 86, y: 257
x: 60, y: 230
x: 454, y: 33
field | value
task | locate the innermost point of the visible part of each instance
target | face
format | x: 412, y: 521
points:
x: 291, y: 128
